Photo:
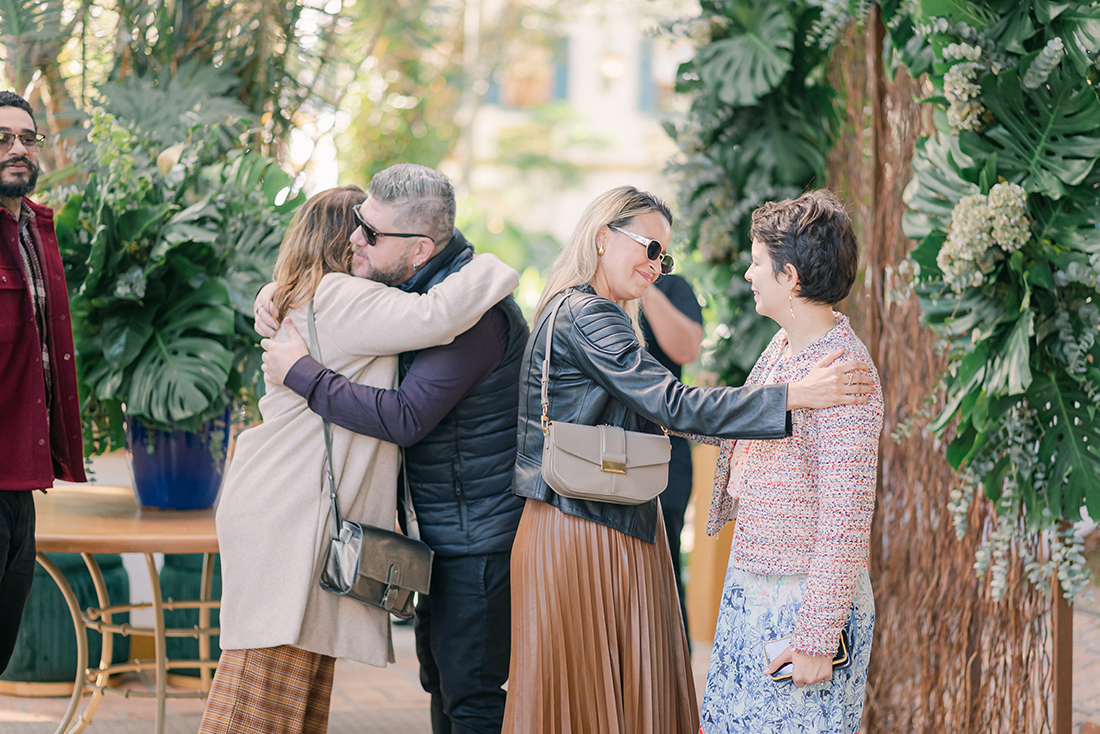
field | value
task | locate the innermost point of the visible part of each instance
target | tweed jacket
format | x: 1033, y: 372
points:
x: 805, y: 502
x: 273, y: 515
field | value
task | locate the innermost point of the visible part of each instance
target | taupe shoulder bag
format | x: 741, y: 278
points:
x: 601, y: 463
x: 378, y: 567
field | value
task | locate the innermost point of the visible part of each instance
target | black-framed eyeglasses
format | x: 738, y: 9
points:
x: 30, y: 141
x: 371, y: 234
x: 652, y: 249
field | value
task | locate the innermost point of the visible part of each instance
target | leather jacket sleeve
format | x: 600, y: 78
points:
x: 604, y: 347
x: 600, y: 374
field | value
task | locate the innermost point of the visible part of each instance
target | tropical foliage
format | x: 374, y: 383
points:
x: 164, y: 248
x: 761, y: 121
x: 1004, y: 202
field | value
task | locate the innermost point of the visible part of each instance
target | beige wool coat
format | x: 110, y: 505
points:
x: 273, y: 514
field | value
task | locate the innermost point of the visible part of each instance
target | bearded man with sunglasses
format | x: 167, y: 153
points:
x: 39, y: 410
x: 455, y: 413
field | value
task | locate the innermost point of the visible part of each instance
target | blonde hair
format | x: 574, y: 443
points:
x: 577, y: 263
x: 316, y: 243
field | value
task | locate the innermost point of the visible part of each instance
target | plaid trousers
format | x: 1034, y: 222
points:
x: 276, y: 690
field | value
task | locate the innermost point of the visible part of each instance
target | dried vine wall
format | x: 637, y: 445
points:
x: 946, y: 657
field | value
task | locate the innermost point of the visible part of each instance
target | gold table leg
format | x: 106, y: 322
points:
x: 81, y: 638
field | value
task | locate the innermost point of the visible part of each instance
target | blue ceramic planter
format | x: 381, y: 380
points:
x: 183, y: 471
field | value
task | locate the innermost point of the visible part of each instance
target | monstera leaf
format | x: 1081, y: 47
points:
x: 1047, y: 139
x: 1069, y: 445
x: 746, y: 66
x: 1079, y: 28
x: 1069, y: 222
x: 937, y: 185
x: 181, y: 375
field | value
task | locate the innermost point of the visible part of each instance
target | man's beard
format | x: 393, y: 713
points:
x: 19, y: 189
x: 397, y: 274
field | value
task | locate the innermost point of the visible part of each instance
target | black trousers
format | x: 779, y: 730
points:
x: 17, y: 569
x: 674, y: 502
x: 463, y: 640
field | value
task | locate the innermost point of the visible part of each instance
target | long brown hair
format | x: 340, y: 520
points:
x: 316, y: 244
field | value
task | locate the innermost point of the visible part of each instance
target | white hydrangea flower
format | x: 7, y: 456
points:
x: 1011, y: 227
x: 979, y: 223
x: 963, y: 92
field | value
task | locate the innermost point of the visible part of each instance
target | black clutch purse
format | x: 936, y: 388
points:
x: 841, y: 661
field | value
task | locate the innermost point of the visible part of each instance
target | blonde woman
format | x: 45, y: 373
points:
x: 598, y: 641
x: 280, y: 632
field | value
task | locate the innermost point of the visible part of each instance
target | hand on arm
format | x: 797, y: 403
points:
x: 830, y: 383
x: 437, y: 380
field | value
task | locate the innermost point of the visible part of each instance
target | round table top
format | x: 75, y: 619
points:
x: 96, y: 519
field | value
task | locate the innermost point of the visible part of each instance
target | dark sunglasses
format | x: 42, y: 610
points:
x: 652, y: 249
x: 371, y: 234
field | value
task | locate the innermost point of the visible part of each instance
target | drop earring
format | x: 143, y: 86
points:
x: 790, y: 302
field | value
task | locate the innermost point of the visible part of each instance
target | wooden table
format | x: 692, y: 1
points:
x: 88, y: 520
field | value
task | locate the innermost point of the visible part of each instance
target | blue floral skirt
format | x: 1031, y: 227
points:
x: 739, y: 697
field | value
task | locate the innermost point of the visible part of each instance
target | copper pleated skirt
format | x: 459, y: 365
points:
x: 598, y: 643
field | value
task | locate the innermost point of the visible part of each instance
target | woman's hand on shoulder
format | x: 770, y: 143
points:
x: 279, y: 357
x: 831, y: 383
x: 264, y: 311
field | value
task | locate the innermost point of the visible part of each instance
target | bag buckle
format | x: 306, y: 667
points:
x: 615, y: 467
x: 391, y: 584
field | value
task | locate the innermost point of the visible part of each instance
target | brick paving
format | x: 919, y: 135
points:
x: 369, y: 700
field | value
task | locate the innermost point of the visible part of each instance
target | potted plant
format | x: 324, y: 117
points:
x: 165, y: 244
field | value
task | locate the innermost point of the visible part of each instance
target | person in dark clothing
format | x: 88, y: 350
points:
x: 455, y: 413
x: 672, y: 323
x: 39, y: 410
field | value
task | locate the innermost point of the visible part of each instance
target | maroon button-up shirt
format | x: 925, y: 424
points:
x: 36, y: 446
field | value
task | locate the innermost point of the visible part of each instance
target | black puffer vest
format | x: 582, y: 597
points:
x: 460, y: 474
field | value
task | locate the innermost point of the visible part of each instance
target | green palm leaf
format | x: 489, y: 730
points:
x: 1047, y: 139
x: 1070, y: 443
x: 1079, y: 28
x: 939, y: 181
x: 743, y: 68
x: 176, y: 381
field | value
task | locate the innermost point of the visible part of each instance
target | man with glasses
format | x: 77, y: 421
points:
x: 455, y: 413
x: 39, y: 410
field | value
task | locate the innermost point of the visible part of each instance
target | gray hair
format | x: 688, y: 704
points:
x: 424, y: 199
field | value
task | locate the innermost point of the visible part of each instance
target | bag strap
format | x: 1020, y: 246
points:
x: 411, y: 524
x: 546, y: 365
x: 546, y: 369
x: 315, y: 352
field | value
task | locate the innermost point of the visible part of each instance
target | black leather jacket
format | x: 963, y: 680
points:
x: 600, y: 374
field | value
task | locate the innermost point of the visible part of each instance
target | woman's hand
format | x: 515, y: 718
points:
x: 828, y: 384
x: 279, y: 357
x: 807, y: 669
x: 262, y: 309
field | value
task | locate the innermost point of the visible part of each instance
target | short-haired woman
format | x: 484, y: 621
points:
x: 280, y: 632
x: 598, y: 641
x: 798, y: 565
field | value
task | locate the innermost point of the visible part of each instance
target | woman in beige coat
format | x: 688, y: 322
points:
x: 280, y: 632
